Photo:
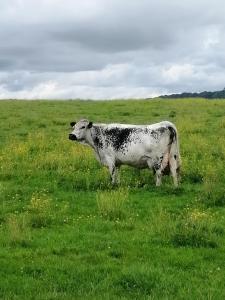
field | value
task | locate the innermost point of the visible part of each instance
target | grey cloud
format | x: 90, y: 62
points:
x: 98, y: 47
x: 114, y: 37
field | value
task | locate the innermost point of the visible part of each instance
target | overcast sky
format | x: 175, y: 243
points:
x: 106, y: 49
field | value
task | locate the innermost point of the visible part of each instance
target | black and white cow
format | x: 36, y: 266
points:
x: 143, y: 146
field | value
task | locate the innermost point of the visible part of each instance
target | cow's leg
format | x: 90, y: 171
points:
x: 158, y: 174
x: 157, y: 169
x: 113, y: 173
x: 173, y: 170
x: 117, y: 174
x: 112, y: 170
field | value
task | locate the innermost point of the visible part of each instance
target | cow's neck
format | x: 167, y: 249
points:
x: 89, y: 139
x: 93, y: 137
x: 92, y: 140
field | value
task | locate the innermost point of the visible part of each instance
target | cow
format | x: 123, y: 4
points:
x: 152, y: 146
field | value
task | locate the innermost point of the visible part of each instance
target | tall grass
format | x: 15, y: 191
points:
x: 17, y: 230
x: 40, y: 210
x: 111, y: 204
x: 195, y: 228
x: 213, y: 192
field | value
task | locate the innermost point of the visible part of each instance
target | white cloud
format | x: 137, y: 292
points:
x: 177, y: 72
x: 110, y: 83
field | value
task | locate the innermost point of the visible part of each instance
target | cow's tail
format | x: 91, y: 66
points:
x: 174, y: 152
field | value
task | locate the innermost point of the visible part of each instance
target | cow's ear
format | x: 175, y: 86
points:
x: 72, y: 124
x: 90, y: 124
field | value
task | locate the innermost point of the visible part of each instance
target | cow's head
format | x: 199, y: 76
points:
x: 80, y: 130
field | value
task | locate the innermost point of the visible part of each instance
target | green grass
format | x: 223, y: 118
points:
x: 67, y: 233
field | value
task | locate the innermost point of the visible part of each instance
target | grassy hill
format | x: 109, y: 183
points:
x: 66, y: 233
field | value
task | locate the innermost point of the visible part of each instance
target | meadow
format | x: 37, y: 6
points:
x: 67, y: 233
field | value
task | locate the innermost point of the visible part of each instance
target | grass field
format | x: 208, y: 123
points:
x: 66, y: 233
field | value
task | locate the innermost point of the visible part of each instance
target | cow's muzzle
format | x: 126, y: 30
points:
x: 72, y: 137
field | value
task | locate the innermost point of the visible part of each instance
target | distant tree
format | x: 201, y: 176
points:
x: 205, y: 94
